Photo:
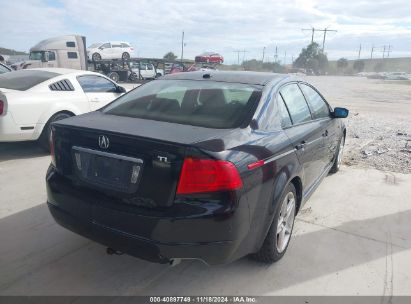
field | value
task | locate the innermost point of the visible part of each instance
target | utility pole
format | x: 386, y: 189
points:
x: 276, y: 55
x: 383, y: 52
x: 359, y: 52
x: 372, y: 50
x: 312, y: 30
x: 182, y: 47
x: 325, y: 34
x: 263, y: 55
x: 238, y: 55
x: 389, y: 50
x: 285, y: 57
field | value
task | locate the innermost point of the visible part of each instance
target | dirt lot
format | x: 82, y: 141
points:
x: 379, y: 125
x: 351, y: 238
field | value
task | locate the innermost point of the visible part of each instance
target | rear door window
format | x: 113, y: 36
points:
x: 96, y: 84
x: 285, y: 116
x: 24, y: 79
x: 208, y: 104
x: 318, y: 106
x: 296, y: 104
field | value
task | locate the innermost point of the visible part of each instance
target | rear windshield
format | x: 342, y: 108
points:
x: 203, y: 103
x: 24, y: 79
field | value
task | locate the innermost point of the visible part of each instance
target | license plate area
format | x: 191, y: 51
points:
x: 107, y: 170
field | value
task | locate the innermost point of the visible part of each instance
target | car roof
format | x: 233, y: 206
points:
x: 256, y: 78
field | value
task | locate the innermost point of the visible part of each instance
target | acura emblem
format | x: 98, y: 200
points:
x: 103, y: 142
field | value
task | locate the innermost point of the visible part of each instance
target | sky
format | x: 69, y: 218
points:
x: 155, y: 27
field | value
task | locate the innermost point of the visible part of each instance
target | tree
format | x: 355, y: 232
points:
x: 342, y: 63
x: 258, y: 65
x: 359, y: 66
x: 312, y: 58
x: 170, y: 56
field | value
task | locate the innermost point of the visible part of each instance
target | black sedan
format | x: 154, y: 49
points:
x: 203, y: 165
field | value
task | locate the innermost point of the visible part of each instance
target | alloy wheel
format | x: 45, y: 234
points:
x: 285, y: 222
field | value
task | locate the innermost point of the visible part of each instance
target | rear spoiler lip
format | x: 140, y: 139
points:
x: 57, y: 125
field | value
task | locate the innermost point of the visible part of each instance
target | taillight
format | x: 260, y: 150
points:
x: 1, y: 107
x: 205, y: 175
x: 52, y: 152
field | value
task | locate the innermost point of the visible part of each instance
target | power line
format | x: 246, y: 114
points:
x: 238, y: 55
x: 386, y: 48
x: 313, y: 30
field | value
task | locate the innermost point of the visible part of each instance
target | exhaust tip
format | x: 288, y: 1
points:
x: 111, y: 251
x: 174, y: 262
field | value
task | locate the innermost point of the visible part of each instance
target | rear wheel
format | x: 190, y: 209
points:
x: 45, y: 135
x: 96, y: 57
x: 338, y: 157
x: 276, y: 242
x: 125, y: 56
x: 114, y: 76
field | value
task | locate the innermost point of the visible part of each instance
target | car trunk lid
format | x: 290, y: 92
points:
x: 106, y: 152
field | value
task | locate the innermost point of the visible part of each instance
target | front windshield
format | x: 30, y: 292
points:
x: 37, y: 55
x: 94, y: 45
x: 203, y: 103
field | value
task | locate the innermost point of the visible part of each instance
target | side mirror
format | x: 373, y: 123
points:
x: 120, y: 89
x: 340, y: 112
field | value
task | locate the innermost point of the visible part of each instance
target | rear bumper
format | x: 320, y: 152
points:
x: 11, y: 131
x: 212, y: 236
x: 146, y: 249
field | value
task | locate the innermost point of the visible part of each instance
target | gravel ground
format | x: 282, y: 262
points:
x: 379, y: 124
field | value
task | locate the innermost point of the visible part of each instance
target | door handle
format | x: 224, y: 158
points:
x: 300, y: 146
x: 325, y: 133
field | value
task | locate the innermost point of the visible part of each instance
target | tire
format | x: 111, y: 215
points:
x: 276, y: 242
x: 338, y: 156
x: 45, y: 135
x: 125, y: 56
x: 96, y: 57
x: 114, y: 76
x: 133, y: 76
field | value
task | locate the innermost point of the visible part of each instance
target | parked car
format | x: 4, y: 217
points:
x: 30, y: 100
x: 110, y: 50
x: 209, y: 57
x: 4, y: 68
x: 142, y: 70
x: 397, y: 76
x: 201, y: 165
